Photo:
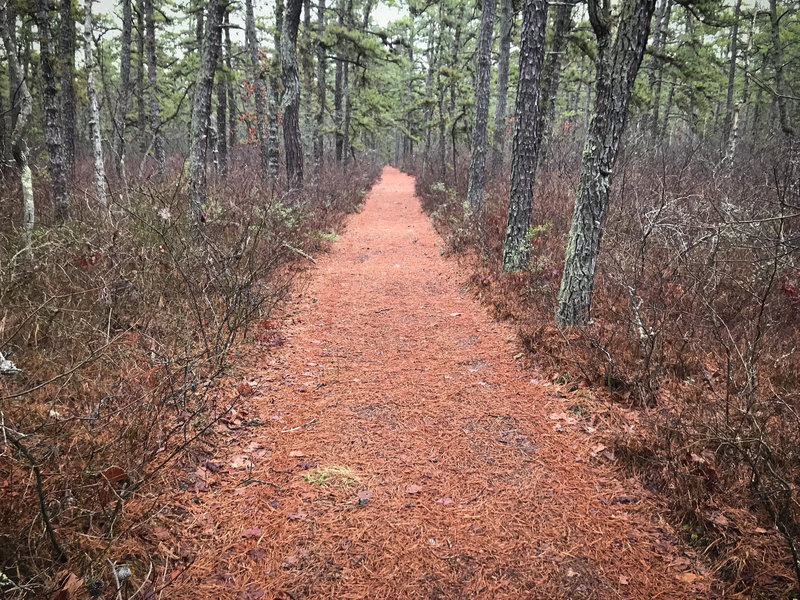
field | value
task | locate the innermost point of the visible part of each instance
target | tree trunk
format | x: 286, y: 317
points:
x: 338, y: 116
x: 66, y: 59
x: 202, y: 108
x: 778, y: 64
x: 154, y: 109
x: 222, y: 120
x: 258, y: 90
x: 483, y: 67
x: 525, y: 153
x: 733, y: 51
x: 501, y: 95
x: 231, y: 98
x: 274, y: 94
x: 319, y: 149
x: 348, y: 109
x: 52, y: 124
x: 13, y: 81
x: 551, y: 73
x: 615, y: 73
x: 657, y: 64
x: 141, y: 108
x: 18, y: 146
x: 432, y: 57
x: 291, y: 96
x: 124, y: 97
x: 307, y: 57
x: 94, y: 113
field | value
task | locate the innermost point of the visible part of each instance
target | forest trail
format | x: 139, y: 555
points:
x: 448, y: 471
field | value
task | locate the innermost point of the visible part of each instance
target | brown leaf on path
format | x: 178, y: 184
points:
x: 364, y: 496
x: 256, y: 554
x: 688, y: 577
x: 290, y: 562
x: 241, y: 461
x: 253, y: 532
x: 300, y: 515
x: 296, y: 454
x: 251, y: 592
x: 413, y: 489
x: 445, y: 500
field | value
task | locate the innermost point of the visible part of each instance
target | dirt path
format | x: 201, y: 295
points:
x: 411, y: 397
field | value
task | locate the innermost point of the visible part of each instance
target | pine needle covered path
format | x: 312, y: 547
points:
x: 405, y: 454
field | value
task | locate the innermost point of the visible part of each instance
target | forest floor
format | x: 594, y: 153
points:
x: 401, y: 449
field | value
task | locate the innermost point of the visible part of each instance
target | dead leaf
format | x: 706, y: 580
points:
x: 688, y: 577
x: 241, y: 461
x: 251, y: 592
x: 364, y: 496
x: 717, y: 518
x: 290, y: 562
x: 445, y: 500
x: 413, y: 489
x: 300, y: 515
x: 623, y: 580
x: 597, y: 449
x: 256, y: 554
x: 296, y: 454
x: 253, y: 532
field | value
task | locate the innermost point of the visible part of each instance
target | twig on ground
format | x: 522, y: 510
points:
x: 299, y: 426
x: 300, y: 252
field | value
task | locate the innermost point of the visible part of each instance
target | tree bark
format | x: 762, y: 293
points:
x: 501, y: 94
x: 319, y: 148
x: 152, y: 80
x: 292, y: 143
x: 124, y: 97
x: 222, y: 120
x: 202, y: 108
x: 338, y: 116
x: 258, y: 90
x: 615, y: 73
x: 483, y: 67
x: 274, y: 94
x: 657, y: 74
x: 18, y: 146
x: 231, y: 97
x: 52, y: 121
x: 348, y: 110
x: 733, y: 51
x: 94, y: 112
x: 778, y: 65
x: 141, y: 108
x: 66, y: 59
x: 525, y: 154
x: 13, y: 82
x: 551, y: 73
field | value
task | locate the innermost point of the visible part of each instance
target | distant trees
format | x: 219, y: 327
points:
x: 95, y: 135
x: 201, y: 113
x: 483, y: 65
x: 258, y: 88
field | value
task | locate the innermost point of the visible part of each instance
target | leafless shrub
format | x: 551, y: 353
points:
x: 126, y: 329
x: 696, y: 315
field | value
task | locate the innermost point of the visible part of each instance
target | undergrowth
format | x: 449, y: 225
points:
x: 696, y: 316
x: 126, y: 325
